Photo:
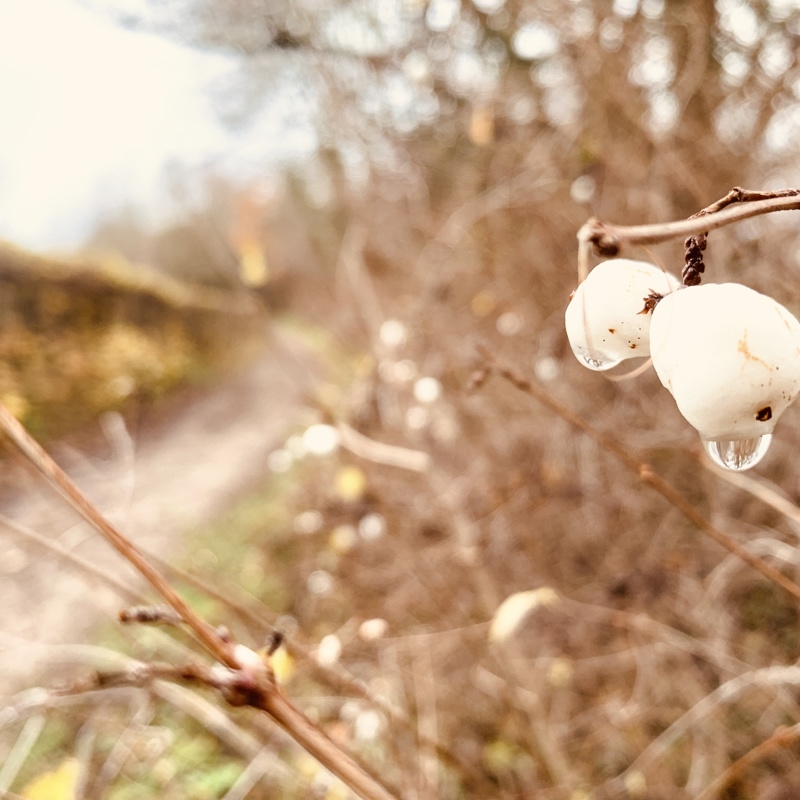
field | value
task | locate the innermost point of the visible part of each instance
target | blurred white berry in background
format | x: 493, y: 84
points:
x: 606, y: 319
x: 730, y: 356
x: 427, y: 390
x: 393, y: 333
x: 321, y: 439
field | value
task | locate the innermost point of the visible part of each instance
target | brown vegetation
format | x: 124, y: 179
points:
x: 649, y: 662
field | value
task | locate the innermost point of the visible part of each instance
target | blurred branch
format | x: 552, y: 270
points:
x: 26, y: 740
x: 59, y: 480
x: 381, y: 453
x: 355, y: 273
x: 645, y: 471
x: 758, y: 488
x: 83, y: 565
x: 334, y: 676
x: 609, y: 240
x: 242, y: 677
x: 728, y: 692
x: 783, y: 737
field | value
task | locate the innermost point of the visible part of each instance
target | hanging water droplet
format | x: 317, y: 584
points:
x: 598, y: 361
x: 739, y: 454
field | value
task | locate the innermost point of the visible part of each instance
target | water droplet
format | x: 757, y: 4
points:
x: 739, y: 454
x: 598, y: 361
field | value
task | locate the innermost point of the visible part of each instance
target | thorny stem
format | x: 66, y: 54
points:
x: 737, y: 205
x: 256, y: 692
x: 644, y: 471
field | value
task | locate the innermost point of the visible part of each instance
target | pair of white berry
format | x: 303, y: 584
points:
x: 729, y: 355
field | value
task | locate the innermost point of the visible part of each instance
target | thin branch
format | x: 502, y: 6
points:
x: 758, y: 488
x: 238, y: 687
x: 30, y: 734
x: 645, y: 472
x: 124, y: 590
x: 727, y: 693
x: 59, y: 479
x: 381, y: 453
x: 334, y: 676
x: 247, y: 680
x: 610, y: 239
x: 783, y: 737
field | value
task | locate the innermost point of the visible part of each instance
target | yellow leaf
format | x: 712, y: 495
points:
x: 350, y: 483
x: 253, y: 268
x: 636, y: 784
x: 560, y: 672
x: 282, y: 665
x: 337, y: 791
x: 342, y: 539
x: 56, y: 785
x: 16, y: 404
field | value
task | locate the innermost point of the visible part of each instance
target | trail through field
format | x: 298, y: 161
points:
x: 181, y: 466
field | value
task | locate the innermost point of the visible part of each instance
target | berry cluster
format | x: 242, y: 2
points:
x: 729, y: 355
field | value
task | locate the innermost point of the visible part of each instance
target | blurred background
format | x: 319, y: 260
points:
x: 251, y: 249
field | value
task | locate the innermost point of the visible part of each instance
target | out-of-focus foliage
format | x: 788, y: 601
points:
x: 460, y: 147
x: 81, y: 337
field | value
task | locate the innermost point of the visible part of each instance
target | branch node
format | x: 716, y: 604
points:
x: 605, y: 243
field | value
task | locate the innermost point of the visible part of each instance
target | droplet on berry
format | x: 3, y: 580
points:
x: 730, y: 356
x: 606, y: 319
x: 738, y: 454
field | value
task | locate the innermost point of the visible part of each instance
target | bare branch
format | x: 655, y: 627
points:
x: 382, y: 453
x: 242, y: 676
x: 729, y: 692
x: 59, y: 479
x: 783, y: 737
x: 645, y: 472
x: 609, y: 239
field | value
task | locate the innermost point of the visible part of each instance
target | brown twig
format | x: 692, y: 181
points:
x: 725, y: 694
x: 241, y: 678
x: 783, y: 737
x: 696, y: 245
x: 644, y: 471
x: 59, y: 479
x: 737, y: 205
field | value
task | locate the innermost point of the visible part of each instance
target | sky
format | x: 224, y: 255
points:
x: 89, y: 115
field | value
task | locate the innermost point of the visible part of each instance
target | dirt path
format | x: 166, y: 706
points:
x: 155, y: 483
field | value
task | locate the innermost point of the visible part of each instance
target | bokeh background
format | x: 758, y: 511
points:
x: 289, y: 227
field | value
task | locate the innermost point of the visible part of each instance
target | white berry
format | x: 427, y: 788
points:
x: 730, y: 356
x: 606, y: 320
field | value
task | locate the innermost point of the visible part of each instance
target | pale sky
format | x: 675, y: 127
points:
x: 89, y: 113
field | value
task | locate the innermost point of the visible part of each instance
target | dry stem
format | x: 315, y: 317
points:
x: 737, y: 205
x: 783, y: 737
x: 645, y: 472
x: 59, y: 479
x: 242, y: 686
